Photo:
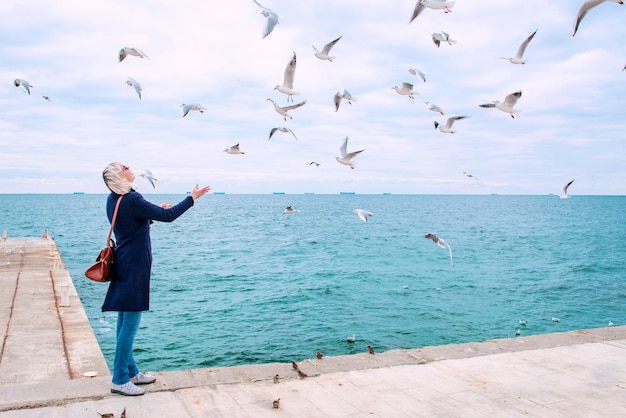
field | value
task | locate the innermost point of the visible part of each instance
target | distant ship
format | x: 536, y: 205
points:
x: 386, y: 193
x: 279, y: 192
x: 219, y: 192
x: 79, y: 192
x: 346, y: 193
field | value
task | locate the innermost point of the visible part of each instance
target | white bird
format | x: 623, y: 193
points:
x: 438, y: 38
x: 134, y: 84
x: 508, y: 106
x: 290, y: 210
x: 517, y: 59
x: 346, y: 157
x: 126, y: 51
x: 25, y: 85
x: 405, y: 90
x: 345, y: 95
x: 362, y: 214
x: 522, y: 322
x: 432, y: 4
x: 186, y: 108
x: 147, y: 174
x: 434, y: 107
x: 234, y: 150
x: 610, y: 324
x: 324, y: 54
x: 283, y: 110
x: 440, y: 243
x: 282, y: 129
x: 447, y: 128
x: 271, y: 19
x: 351, y: 338
x: 554, y: 319
x: 584, y: 9
x: 290, y: 72
x: 419, y: 73
x: 565, y: 195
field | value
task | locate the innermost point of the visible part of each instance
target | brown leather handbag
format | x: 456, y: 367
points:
x: 100, y: 271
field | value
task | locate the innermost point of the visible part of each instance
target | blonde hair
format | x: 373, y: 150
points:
x: 115, y: 179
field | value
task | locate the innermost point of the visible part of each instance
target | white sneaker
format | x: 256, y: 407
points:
x: 143, y: 379
x: 127, y: 389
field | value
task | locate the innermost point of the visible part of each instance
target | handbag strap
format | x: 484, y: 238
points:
x: 117, y: 206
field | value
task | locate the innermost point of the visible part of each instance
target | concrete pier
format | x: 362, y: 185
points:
x: 47, y: 348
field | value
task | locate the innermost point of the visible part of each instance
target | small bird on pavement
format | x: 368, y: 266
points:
x: 276, y: 403
x: 319, y: 355
x: 370, y: 349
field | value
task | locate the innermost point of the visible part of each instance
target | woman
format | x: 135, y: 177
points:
x: 129, y: 290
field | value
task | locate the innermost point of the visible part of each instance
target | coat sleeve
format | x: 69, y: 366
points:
x: 143, y: 209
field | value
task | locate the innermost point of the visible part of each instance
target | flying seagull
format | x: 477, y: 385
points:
x: 470, y: 175
x: 431, y: 4
x: 314, y: 162
x: 440, y: 243
x: 25, y: 85
x: 282, y: 129
x: 46, y: 98
x: 565, y: 195
x: 447, y: 128
x: 438, y: 38
x: 362, y: 214
x: 419, y: 73
x: 147, y: 174
x: 584, y: 9
x: 345, y: 95
x: 271, y: 19
x: 283, y: 110
x: 290, y: 72
x: 234, y: 150
x: 517, y: 59
x: 508, y: 105
x: 346, y: 157
x: 434, y: 107
x: 324, y: 54
x: 405, y: 90
x: 186, y: 108
x: 126, y: 51
x: 134, y: 84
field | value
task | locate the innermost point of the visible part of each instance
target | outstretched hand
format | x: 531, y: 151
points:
x: 197, y: 192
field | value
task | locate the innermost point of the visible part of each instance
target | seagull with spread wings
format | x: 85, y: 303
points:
x: 584, y: 9
x: 282, y: 110
x: 444, y: 5
x: 342, y: 95
x: 290, y: 72
x: 136, y: 52
x: 346, y: 157
x: 508, y: 105
x: 447, y: 128
x: 271, y: 19
x: 517, y: 59
x: 281, y: 129
x: 25, y: 85
x: 324, y: 54
x: 134, y: 84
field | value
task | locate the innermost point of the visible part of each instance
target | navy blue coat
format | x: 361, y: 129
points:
x: 129, y: 289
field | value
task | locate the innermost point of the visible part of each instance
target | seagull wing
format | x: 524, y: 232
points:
x: 272, y: 21
x: 343, y: 150
x: 488, y: 105
x: 567, y: 186
x: 352, y: 154
x: 122, y: 54
x: 328, y: 46
x: 291, y: 132
x: 290, y: 71
x: 295, y: 106
x: 419, y: 8
x: 584, y: 9
x: 337, y: 101
x: 512, y: 98
x: 522, y: 47
x: 452, y: 119
x: 272, y: 133
x: 407, y: 86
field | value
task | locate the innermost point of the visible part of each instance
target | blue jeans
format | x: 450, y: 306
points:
x: 124, y: 364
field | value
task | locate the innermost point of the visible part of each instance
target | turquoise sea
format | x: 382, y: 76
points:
x: 237, y: 282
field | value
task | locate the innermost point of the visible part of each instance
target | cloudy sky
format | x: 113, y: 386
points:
x: 571, y: 124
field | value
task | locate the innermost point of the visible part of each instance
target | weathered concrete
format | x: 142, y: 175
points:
x: 571, y: 374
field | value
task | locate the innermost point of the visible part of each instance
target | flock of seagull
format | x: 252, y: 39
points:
x: 507, y: 105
